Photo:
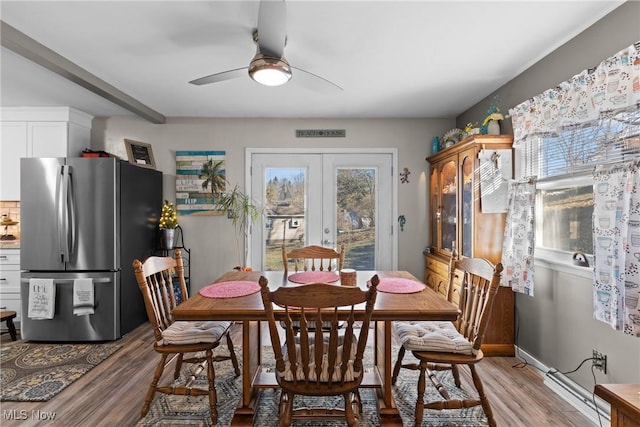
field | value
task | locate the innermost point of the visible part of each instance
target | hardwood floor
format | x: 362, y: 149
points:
x: 112, y: 393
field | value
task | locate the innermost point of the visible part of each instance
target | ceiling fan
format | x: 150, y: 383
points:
x: 269, y: 66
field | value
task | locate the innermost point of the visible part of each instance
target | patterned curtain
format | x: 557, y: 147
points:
x: 613, y: 86
x: 519, y: 237
x: 616, y: 241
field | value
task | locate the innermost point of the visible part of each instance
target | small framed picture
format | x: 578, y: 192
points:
x: 140, y: 153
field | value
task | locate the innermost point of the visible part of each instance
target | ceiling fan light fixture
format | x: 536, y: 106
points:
x: 269, y: 71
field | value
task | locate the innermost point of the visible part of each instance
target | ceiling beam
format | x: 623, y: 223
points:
x: 27, y: 47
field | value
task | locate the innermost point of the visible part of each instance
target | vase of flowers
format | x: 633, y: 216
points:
x: 168, y: 223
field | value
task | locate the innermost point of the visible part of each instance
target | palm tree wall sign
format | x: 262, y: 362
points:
x: 213, y: 174
x: 200, y: 180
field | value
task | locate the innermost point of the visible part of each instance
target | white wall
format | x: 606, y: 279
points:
x: 211, y: 238
x: 557, y: 327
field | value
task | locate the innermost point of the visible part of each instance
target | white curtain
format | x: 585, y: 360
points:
x: 616, y: 241
x: 519, y: 237
x: 613, y: 86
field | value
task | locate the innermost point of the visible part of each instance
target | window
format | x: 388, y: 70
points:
x: 563, y: 164
x: 565, y: 219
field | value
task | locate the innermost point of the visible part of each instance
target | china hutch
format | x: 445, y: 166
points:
x: 457, y: 222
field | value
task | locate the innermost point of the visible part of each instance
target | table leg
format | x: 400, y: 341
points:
x: 389, y: 413
x: 251, y: 359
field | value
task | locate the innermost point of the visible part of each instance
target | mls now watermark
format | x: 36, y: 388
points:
x: 23, y: 414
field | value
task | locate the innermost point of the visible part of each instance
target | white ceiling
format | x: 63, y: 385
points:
x: 393, y: 58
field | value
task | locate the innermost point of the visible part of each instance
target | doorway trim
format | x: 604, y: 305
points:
x: 249, y: 152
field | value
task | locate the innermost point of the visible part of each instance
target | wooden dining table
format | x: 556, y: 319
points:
x: 249, y: 311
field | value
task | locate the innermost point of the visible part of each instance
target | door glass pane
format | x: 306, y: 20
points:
x: 285, y: 213
x: 467, y: 205
x: 356, y: 216
x: 449, y: 212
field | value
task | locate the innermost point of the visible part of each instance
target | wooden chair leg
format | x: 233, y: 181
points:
x: 398, y: 365
x: 348, y: 411
x: 213, y: 398
x: 437, y: 384
x: 12, y: 329
x: 154, y: 384
x: 456, y: 375
x: 419, y: 412
x: 286, y: 409
x: 484, y: 401
x: 232, y: 354
x: 176, y: 372
x: 357, y: 401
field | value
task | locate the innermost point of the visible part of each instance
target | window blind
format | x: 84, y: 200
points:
x: 576, y: 150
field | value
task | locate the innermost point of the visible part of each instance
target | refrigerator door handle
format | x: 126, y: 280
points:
x: 62, y: 208
x: 71, y: 215
x: 60, y: 212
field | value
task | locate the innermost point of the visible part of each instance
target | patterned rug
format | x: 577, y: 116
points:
x: 37, y: 372
x: 193, y: 411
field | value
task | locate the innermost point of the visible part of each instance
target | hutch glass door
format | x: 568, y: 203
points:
x: 448, y: 206
x: 466, y: 219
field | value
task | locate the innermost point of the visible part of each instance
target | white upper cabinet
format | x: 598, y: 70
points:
x: 38, y: 132
x: 13, y: 146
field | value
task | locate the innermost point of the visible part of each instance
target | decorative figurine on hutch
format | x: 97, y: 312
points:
x: 491, y: 124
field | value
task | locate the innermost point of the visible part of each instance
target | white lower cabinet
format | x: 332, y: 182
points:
x: 10, y: 282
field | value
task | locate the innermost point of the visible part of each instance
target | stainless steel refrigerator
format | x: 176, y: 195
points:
x: 86, y: 218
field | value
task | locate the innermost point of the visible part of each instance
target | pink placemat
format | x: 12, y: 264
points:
x: 314, y: 277
x: 398, y: 285
x: 231, y: 289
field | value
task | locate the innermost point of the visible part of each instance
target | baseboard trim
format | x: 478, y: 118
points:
x: 498, y: 349
x: 570, y: 391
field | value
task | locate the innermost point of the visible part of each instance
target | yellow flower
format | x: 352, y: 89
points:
x: 470, y: 126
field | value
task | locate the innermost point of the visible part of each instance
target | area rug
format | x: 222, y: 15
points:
x: 37, y: 372
x: 194, y: 410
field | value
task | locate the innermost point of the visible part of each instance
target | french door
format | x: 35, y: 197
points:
x: 326, y: 199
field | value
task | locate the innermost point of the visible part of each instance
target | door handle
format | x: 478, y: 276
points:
x: 64, y: 212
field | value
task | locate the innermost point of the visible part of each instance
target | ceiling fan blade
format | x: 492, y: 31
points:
x: 314, y: 81
x: 220, y: 77
x: 272, y: 27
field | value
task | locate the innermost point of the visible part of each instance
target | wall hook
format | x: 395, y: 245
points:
x: 402, y: 221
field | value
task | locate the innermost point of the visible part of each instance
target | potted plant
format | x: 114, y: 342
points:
x: 168, y: 223
x: 242, y: 211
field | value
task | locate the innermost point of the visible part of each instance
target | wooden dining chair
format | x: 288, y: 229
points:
x: 447, y: 345
x: 314, y: 361
x: 313, y: 258
x: 452, y: 292
x: 191, y: 342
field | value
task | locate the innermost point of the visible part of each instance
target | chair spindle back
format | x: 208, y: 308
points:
x: 479, y: 287
x: 313, y: 258
x: 314, y: 356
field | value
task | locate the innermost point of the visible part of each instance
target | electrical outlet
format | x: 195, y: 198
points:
x: 600, y: 361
